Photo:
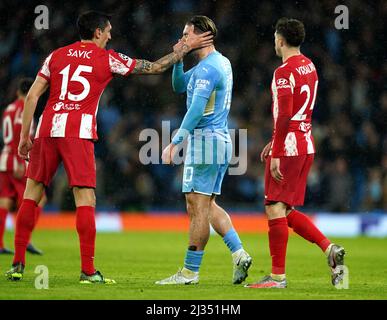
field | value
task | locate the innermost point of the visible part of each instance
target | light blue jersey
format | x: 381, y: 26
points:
x: 212, y: 79
x: 209, y: 91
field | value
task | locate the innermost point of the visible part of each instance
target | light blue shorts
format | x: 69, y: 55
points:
x: 205, y: 164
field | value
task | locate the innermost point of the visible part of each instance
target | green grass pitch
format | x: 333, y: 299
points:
x: 137, y: 259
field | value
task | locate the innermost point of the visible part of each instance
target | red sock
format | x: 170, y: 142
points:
x: 3, y: 219
x: 25, y: 221
x: 38, y: 211
x: 86, y: 232
x: 278, y: 240
x: 304, y: 226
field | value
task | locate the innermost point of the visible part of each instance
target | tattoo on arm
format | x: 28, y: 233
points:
x: 159, y: 66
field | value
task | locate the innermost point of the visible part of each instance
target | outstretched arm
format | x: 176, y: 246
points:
x: 180, y: 50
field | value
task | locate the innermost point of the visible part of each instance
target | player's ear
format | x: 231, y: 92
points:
x: 97, y: 33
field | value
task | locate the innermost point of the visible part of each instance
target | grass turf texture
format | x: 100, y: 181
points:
x: 136, y: 260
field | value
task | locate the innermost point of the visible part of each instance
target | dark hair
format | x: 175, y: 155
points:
x: 89, y: 21
x: 203, y: 24
x: 24, y: 85
x: 292, y: 30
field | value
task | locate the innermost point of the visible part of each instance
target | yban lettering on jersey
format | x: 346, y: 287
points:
x: 79, y: 53
x: 201, y: 83
x: 303, y: 70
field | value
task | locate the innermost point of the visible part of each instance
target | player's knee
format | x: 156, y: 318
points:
x: 195, y: 205
x: 275, y: 210
x: 191, y: 205
x: 84, y: 197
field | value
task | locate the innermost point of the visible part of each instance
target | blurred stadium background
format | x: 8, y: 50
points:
x: 350, y: 117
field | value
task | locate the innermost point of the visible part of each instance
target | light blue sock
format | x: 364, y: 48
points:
x: 193, y: 260
x: 231, y: 239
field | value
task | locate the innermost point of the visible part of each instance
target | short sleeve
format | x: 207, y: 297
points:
x: 120, y: 63
x: 206, y: 79
x: 284, y: 82
x: 45, y: 70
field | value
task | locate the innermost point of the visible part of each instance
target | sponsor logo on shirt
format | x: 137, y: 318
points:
x: 202, y: 84
x: 283, y: 83
x: 68, y: 106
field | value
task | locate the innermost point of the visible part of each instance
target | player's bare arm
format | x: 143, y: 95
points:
x: 179, y: 51
x: 39, y: 86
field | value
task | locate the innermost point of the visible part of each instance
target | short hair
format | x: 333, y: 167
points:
x: 24, y: 85
x: 203, y: 24
x: 292, y: 30
x: 89, y: 21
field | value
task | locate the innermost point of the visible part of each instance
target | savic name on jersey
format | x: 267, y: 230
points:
x: 77, y: 75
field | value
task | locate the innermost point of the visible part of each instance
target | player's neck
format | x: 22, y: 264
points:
x: 91, y: 41
x: 204, y: 52
x: 291, y: 52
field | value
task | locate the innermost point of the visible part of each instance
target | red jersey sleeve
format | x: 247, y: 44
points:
x: 284, y: 88
x: 45, y: 70
x: 121, y: 64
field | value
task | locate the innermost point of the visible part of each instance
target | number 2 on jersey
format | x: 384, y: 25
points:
x: 77, y: 78
x: 300, y: 116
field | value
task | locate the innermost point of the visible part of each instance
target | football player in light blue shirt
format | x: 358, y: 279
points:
x: 208, y: 86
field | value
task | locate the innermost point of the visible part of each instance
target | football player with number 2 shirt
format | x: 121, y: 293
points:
x: 289, y: 156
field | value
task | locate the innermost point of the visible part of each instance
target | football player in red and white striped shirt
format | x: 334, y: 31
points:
x: 76, y: 75
x: 289, y: 155
x: 12, y: 167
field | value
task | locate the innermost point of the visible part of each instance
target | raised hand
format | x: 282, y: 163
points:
x: 195, y: 41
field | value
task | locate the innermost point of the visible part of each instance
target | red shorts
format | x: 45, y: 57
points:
x: 291, y: 190
x: 13, y: 188
x: 77, y: 156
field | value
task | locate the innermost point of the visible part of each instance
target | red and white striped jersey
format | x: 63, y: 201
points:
x: 294, y: 90
x: 78, y: 75
x: 11, y: 128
